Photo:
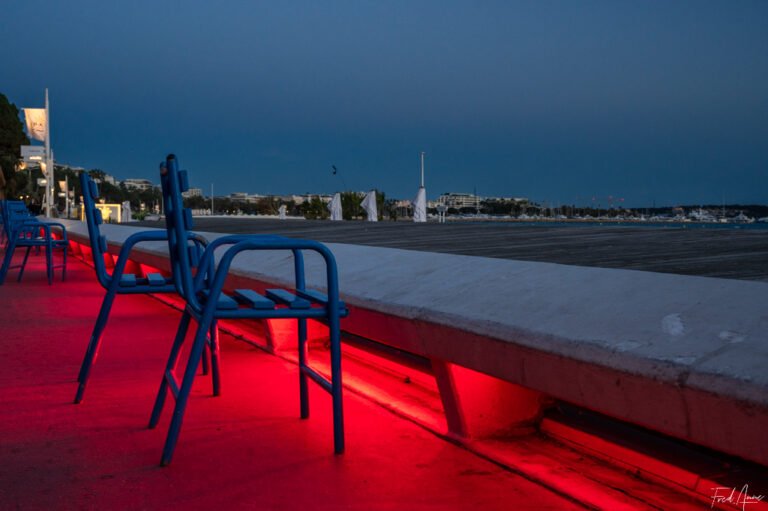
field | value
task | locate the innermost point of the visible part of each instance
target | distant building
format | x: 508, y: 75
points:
x: 301, y: 199
x: 284, y: 198
x: 64, y: 166
x: 459, y: 200
x: 507, y: 200
x: 192, y: 192
x: 96, y: 178
x: 138, y: 184
x: 245, y: 197
x: 516, y: 200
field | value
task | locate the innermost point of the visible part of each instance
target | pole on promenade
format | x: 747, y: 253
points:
x: 49, y: 178
x: 422, y: 169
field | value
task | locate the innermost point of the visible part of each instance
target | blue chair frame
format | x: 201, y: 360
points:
x: 206, y: 303
x: 22, y: 230
x: 120, y: 282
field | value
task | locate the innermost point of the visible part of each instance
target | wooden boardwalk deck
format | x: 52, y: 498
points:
x: 710, y: 252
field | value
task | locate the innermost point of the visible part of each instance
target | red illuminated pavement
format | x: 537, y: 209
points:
x: 244, y: 450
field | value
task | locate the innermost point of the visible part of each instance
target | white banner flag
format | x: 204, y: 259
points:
x: 369, y: 205
x: 36, y: 125
x: 420, y: 206
x: 335, y: 207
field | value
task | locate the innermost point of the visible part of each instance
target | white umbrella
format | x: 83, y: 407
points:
x: 420, y: 206
x: 335, y: 207
x: 369, y: 205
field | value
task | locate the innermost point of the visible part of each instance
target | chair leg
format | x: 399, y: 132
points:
x: 64, y: 264
x: 181, y: 334
x: 23, y: 264
x: 49, y: 261
x: 303, y: 379
x: 186, y: 386
x: 213, y: 344
x: 9, y: 248
x: 336, y: 396
x: 204, y: 369
x: 93, y: 344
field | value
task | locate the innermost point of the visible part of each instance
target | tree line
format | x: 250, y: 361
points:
x: 314, y: 208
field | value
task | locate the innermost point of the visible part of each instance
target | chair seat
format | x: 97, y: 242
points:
x: 253, y: 299
x: 244, y: 299
x: 224, y: 303
x: 287, y: 298
x: 39, y: 241
x: 151, y: 280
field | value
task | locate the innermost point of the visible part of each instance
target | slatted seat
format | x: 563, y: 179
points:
x: 252, y: 299
x: 206, y: 302
x: 119, y: 282
x: 225, y: 303
x: 317, y: 297
x: 287, y: 298
x: 22, y: 230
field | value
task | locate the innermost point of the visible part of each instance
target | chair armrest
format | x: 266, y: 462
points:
x: 144, y: 236
x: 207, y: 261
x: 58, y: 225
x: 30, y: 226
x: 251, y: 243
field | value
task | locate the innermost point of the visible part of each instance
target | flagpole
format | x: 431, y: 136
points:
x: 49, y: 183
x: 422, y: 169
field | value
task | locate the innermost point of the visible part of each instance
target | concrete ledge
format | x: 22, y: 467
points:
x: 686, y: 356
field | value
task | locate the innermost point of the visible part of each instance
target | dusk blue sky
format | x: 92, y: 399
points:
x: 661, y: 102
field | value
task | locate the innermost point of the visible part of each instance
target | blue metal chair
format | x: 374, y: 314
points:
x: 3, y: 235
x: 22, y: 230
x: 120, y: 282
x: 207, y: 302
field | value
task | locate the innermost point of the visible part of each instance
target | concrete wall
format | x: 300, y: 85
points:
x: 685, y: 356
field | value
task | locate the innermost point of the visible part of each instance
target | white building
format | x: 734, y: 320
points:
x: 250, y: 198
x: 459, y: 200
x: 192, y: 192
x: 138, y: 184
x: 107, y: 178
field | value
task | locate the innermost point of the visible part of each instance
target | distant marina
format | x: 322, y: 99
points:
x: 640, y: 225
x: 668, y: 223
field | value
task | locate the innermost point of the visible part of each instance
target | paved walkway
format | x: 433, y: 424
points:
x: 244, y: 450
x: 734, y: 253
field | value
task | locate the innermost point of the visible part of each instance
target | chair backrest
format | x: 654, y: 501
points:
x: 16, y: 217
x: 4, y: 221
x: 16, y: 211
x: 3, y: 212
x: 178, y: 222
x: 94, y: 219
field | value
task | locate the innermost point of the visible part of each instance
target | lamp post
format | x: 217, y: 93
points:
x: 49, y: 188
